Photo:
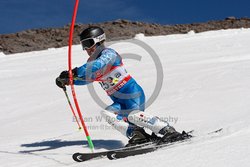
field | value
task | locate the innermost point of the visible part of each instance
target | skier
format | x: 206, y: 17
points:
x: 126, y: 114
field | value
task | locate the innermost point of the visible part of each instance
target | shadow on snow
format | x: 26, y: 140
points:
x: 55, y: 144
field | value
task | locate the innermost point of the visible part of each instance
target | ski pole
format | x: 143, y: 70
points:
x: 70, y: 105
x: 90, y: 143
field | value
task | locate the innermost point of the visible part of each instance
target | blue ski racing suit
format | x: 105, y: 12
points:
x: 107, y: 68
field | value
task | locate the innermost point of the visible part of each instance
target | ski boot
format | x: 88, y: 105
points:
x: 171, y: 135
x: 139, y: 136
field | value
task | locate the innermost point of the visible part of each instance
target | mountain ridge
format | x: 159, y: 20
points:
x: 44, y: 38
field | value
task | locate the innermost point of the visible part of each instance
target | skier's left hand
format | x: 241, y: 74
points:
x: 62, y: 82
x: 63, y: 78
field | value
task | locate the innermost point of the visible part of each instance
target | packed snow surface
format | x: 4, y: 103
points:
x: 206, y: 86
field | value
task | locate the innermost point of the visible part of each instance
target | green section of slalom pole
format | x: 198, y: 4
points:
x: 91, y: 145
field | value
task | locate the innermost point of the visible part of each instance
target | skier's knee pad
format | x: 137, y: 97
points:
x: 118, y: 124
x: 142, y: 119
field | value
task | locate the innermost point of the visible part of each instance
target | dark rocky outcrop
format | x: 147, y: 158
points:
x: 39, y: 39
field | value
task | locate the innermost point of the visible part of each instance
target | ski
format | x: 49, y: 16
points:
x: 81, y: 157
x: 137, y: 151
x: 147, y: 149
x: 127, y: 151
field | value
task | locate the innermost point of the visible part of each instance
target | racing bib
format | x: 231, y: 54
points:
x: 114, y: 80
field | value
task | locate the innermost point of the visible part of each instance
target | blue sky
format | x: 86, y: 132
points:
x: 18, y: 15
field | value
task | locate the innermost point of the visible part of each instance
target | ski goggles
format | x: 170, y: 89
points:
x: 90, y: 42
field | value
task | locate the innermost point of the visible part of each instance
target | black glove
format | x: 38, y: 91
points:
x: 64, y: 75
x: 62, y: 82
x: 63, y: 78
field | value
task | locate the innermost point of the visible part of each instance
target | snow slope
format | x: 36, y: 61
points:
x: 206, y: 86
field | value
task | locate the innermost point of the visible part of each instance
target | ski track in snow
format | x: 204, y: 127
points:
x: 205, y: 87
